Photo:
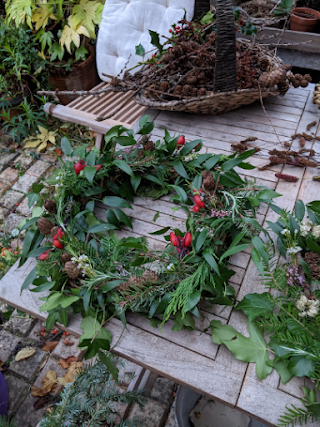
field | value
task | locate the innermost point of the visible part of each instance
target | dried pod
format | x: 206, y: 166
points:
x: 65, y: 257
x: 283, y: 87
x: 304, y: 83
x: 289, y: 178
x: 298, y: 76
x: 50, y: 206
x: 296, y: 83
x: 44, y: 225
x: 150, y: 276
x: 307, y: 162
x: 72, y: 269
x: 201, y: 75
x: 308, y: 78
x: 194, y: 92
x: 149, y: 146
x: 310, y: 125
x: 302, y: 141
x: 275, y: 160
x: 54, y: 230
x: 287, y: 144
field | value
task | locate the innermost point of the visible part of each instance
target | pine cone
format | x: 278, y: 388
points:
x: 178, y: 90
x: 191, y: 79
x: 149, y: 146
x: 264, y: 64
x: 136, y: 281
x: 167, y: 58
x: 150, y: 276
x: 54, y: 230
x: 50, y: 206
x: 186, y: 90
x: 177, y: 51
x: 209, y: 183
x: 44, y: 225
x: 164, y: 86
x: 65, y: 257
x: 202, y: 92
x: 72, y: 270
x: 283, y: 87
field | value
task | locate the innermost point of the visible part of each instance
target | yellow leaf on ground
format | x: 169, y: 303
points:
x: 69, y: 376
x: 25, y: 353
x: 36, y: 392
x: 49, y: 381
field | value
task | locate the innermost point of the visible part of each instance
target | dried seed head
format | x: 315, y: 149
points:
x: 44, y: 225
x: 304, y: 83
x: 65, y: 257
x: 72, y: 269
x: 50, y: 206
x: 289, y: 178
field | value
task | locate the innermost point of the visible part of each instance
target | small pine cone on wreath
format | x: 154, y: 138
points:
x: 72, y: 269
x: 65, y: 257
x: 136, y: 281
x: 44, y: 225
x: 50, y: 206
x: 149, y: 146
x: 150, y: 277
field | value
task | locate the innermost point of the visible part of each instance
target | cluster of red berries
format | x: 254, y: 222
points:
x: 199, y: 203
x: 182, y: 244
x: 81, y: 164
x: 175, y: 29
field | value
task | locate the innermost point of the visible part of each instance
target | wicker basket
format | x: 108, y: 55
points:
x: 225, y: 97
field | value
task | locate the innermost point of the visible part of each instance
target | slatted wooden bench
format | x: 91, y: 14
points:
x: 99, y: 112
x: 190, y: 358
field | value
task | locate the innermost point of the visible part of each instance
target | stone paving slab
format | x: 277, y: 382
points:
x: 9, y: 175
x: 18, y: 390
x: 24, y: 161
x: 12, y: 222
x: 19, y: 325
x: 25, y: 182
x: 23, y: 208
x: 27, y: 416
x: 11, y: 198
x: 28, y: 368
x: 51, y: 365
x: 39, y: 168
x: 4, y: 186
x: 151, y: 415
x: 163, y: 390
x: 6, y: 158
x: 64, y: 351
x: 8, y: 343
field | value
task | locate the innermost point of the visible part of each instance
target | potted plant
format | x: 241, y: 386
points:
x: 64, y: 30
x: 21, y: 67
x: 304, y: 19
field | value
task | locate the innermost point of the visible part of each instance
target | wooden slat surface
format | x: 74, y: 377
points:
x: 191, y: 358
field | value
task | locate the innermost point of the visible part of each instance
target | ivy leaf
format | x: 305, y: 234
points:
x: 253, y: 349
x: 255, y: 305
x: 281, y: 366
x: 32, y: 198
x: 301, y: 366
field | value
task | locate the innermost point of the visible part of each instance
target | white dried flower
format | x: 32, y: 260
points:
x: 295, y: 250
x: 316, y: 231
x: 284, y: 231
x: 307, y: 307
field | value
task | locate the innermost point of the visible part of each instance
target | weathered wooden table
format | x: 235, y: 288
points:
x: 190, y: 358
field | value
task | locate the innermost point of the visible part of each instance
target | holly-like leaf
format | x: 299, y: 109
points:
x: 255, y: 305
x: 155, y: 40
x: 140, y: 50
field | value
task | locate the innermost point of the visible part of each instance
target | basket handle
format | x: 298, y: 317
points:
x: 201, y: 7
x: 225, y: 76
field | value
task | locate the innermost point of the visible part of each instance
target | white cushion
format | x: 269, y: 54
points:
x: 126, y: 23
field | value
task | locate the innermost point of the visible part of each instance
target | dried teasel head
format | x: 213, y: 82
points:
x: 44, y: 225
x: 50, y: 206
x: 150, y: 277
x: 65, y: 257
x: 72, y: 269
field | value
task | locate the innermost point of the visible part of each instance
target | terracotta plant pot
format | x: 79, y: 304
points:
x: 82, y: 77
x: 298, y: 22
x: 11, y: 103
